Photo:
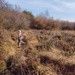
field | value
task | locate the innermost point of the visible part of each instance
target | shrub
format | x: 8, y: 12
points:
x: 44, y: 23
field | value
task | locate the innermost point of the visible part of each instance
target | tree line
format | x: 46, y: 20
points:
x: 12, y: 18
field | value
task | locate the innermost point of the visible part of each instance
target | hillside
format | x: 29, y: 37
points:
x: 47, y: 49
x: 42, y: 52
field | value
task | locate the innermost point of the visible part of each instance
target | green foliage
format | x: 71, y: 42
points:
x: 32, y: 67
x: 28, y: 13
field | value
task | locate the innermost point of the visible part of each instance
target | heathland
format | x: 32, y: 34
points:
x: 47, y: 49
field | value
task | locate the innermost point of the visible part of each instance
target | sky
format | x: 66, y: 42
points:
x: 58, y: 9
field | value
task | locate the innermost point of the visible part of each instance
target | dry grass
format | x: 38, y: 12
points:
x: 42, y: 53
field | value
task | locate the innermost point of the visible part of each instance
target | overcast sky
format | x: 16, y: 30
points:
x: 58, y: 9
